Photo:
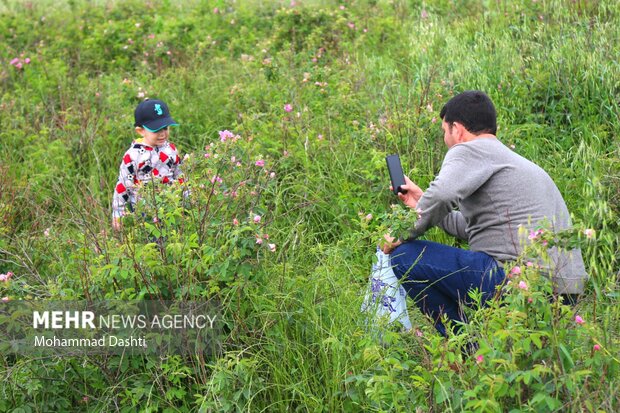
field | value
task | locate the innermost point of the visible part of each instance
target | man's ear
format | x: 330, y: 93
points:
x: 459, y: 131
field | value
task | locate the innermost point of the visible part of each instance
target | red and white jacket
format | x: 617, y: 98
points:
x: 144, y: 163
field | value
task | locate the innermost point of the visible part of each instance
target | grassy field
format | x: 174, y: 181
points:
x: 317, y: 93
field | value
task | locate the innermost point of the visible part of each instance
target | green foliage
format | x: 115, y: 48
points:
x: 363, y: 80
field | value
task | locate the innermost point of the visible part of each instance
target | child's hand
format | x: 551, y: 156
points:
x: 116, y: 223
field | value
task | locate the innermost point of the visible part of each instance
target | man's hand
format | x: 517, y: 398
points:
x: 413, y: 194
x: 390, y: 244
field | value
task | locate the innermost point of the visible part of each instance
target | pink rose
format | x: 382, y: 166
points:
x: 226, y: 134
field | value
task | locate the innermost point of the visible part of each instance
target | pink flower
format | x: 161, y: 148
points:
x: 596, y: 347
x: 260, y: 162
x: 529, y: 264
x: 418, y: 332
x: 516, y: 270
x: 424, y: 14
x: 14, y: 61
x: 351, y: 25
x: 235, y: 221
x: 5, y: 299
x: 579, y: 320
x: 534, y: 234
x: 480, y: 359
x: 288, y: 107
x: 523, y: 285
x: 259, y: 240
x: 589, y: 233
x: 19, y: 65
x: 368, y: 217
x: 4, y: 277
x: 226, y: 134
x: 320, y: 137
x: 272, y: 247
x: 27, y: 60
x: 272, y: 175
x: 257, y: 218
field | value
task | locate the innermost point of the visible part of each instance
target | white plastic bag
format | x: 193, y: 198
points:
x: 385, y: 295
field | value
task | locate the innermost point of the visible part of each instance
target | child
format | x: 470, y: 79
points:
x: 150, y: 157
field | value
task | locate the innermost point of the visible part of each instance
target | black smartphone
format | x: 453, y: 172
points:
x: 396, y: 173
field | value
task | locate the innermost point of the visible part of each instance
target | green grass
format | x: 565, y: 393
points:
x: 297, y: 341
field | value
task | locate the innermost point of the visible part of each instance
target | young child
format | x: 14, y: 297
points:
x: 150, y: 157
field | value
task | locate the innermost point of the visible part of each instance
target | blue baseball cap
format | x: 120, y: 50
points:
x: 153, y: 115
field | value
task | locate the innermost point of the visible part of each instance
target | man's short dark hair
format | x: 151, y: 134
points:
x: 474, y: 110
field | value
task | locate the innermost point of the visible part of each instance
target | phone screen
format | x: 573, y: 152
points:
x: 396, y: 173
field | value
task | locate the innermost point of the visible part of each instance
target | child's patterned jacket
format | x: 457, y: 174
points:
x: 144, y: 163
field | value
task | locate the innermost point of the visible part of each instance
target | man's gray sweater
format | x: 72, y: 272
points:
x: 495, y: 191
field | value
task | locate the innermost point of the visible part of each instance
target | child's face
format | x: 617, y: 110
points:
x: 153, y: 138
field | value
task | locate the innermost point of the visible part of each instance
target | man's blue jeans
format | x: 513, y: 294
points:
x: 438, y: 278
